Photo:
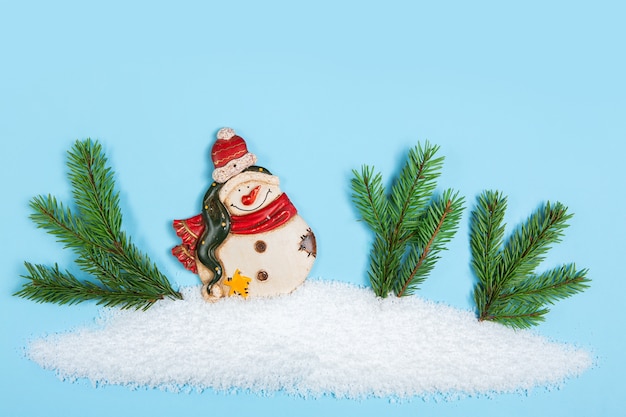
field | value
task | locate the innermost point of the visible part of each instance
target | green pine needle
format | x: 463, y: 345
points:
x: 370, y: 199
x: 411, y: 227
x: 121, y: 274
x: 487, y: 232
x: 414, y: 187
x: 435, y: 229
x: 508, y: 289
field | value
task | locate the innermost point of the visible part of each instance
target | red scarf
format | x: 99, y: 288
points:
x: 275, y: 214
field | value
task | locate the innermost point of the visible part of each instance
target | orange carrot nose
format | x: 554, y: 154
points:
x: 250, y: 198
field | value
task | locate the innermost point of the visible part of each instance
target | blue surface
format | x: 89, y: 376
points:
x: 529, y: 99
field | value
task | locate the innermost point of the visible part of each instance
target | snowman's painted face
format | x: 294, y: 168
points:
x: 248, y: 192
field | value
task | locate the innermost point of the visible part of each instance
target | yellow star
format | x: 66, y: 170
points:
x: 238, y: 284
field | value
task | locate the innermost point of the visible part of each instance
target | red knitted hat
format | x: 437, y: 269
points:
x: 230, y: 155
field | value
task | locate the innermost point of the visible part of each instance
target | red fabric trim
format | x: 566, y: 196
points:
x: 189, y: 230
x: 186, y: 256
x: 277, y: 213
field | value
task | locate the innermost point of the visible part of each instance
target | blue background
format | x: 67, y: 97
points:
x: 526, y: 98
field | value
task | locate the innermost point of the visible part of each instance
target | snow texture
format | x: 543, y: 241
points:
x: 326, y: 338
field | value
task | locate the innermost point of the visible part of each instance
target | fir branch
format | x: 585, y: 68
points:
x: 126, y: 276
x: 486, y: 239
x: 436, y: 228
x: 409, y: 194
x: 518, y: 315
x: 49, y: 284
x: 382, y: 261
x: 487, y: 234
x: 508, y: 290
x: 59, y: 221
x: 552, y: 285
x: 94, y: 190
x: 369, y: 198
x: 410, y: 227
x: 414, y: 187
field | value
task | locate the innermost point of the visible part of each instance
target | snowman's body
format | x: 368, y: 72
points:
x: 274, y: 261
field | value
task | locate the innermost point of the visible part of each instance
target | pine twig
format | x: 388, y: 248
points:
x: 124, y: 276
x: 437, y: 227
x: 50, y: 285
x: 369, y: 198
x: 508, y: 290
x: 410, y: 227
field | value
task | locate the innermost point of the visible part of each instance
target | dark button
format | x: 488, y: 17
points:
x: 260, y: 246
x: 262, y: 276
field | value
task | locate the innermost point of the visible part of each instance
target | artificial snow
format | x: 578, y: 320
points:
x: 326, y: 338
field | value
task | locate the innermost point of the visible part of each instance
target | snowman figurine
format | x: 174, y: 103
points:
x: 249, y: 239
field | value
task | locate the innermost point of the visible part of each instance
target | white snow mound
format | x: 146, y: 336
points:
x: 326, y: 338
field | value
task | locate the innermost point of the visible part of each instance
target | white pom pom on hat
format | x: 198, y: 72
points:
x: 225, y: 133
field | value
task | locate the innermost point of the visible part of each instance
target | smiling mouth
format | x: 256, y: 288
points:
x: 254, y: 208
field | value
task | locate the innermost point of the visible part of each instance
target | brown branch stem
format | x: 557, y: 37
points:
x: 426, y: 250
